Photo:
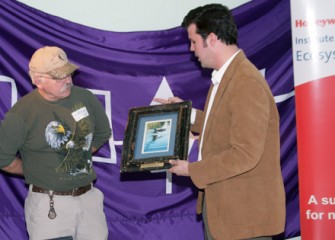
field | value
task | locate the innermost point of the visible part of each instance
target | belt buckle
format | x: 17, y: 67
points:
x: 73, y: 192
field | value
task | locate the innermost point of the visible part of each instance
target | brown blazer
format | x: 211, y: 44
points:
x: 240, y: 172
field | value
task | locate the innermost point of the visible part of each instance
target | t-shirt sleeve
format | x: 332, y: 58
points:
x: 102, y: 131
x: 12, y: 135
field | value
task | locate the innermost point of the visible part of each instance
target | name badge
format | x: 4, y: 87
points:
x: 80, y: 114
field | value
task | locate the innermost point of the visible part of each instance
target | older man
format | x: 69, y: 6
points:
x: 49, y: 136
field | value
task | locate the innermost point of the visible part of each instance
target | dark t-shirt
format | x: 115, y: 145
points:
x: 54, y: 139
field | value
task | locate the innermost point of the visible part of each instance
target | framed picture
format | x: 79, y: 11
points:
x: 154, y: 135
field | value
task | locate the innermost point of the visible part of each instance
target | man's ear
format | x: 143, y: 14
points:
x: 37, y: 82
x: 212, y: 39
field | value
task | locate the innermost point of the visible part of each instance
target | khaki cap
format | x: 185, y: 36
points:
x: 52, y: 61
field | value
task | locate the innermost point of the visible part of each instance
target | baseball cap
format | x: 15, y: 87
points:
x: 52, y: 61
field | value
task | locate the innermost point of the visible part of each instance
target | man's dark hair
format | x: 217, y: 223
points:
x: 213, y: 18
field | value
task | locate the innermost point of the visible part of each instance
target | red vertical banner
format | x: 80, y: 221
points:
x: 313, y: 38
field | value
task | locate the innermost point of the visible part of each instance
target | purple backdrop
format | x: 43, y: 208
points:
x: 131, y: 66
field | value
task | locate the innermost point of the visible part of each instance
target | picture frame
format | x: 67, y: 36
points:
x: 155, y: 134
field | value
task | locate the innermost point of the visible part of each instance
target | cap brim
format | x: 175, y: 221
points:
x: 63, y: 71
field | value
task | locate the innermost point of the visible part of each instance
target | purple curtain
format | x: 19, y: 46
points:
x: 131, y: 67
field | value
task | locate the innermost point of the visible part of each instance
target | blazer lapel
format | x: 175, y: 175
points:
x: 227, y: 76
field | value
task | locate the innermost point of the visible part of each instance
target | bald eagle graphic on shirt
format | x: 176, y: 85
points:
x: 76, y: 145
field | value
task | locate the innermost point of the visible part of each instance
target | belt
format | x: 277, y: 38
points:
x: 74, y: 192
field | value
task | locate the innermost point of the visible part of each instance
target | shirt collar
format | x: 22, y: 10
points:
x: 218, y: 74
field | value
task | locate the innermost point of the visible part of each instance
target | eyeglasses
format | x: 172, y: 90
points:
x: 60, y: 79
